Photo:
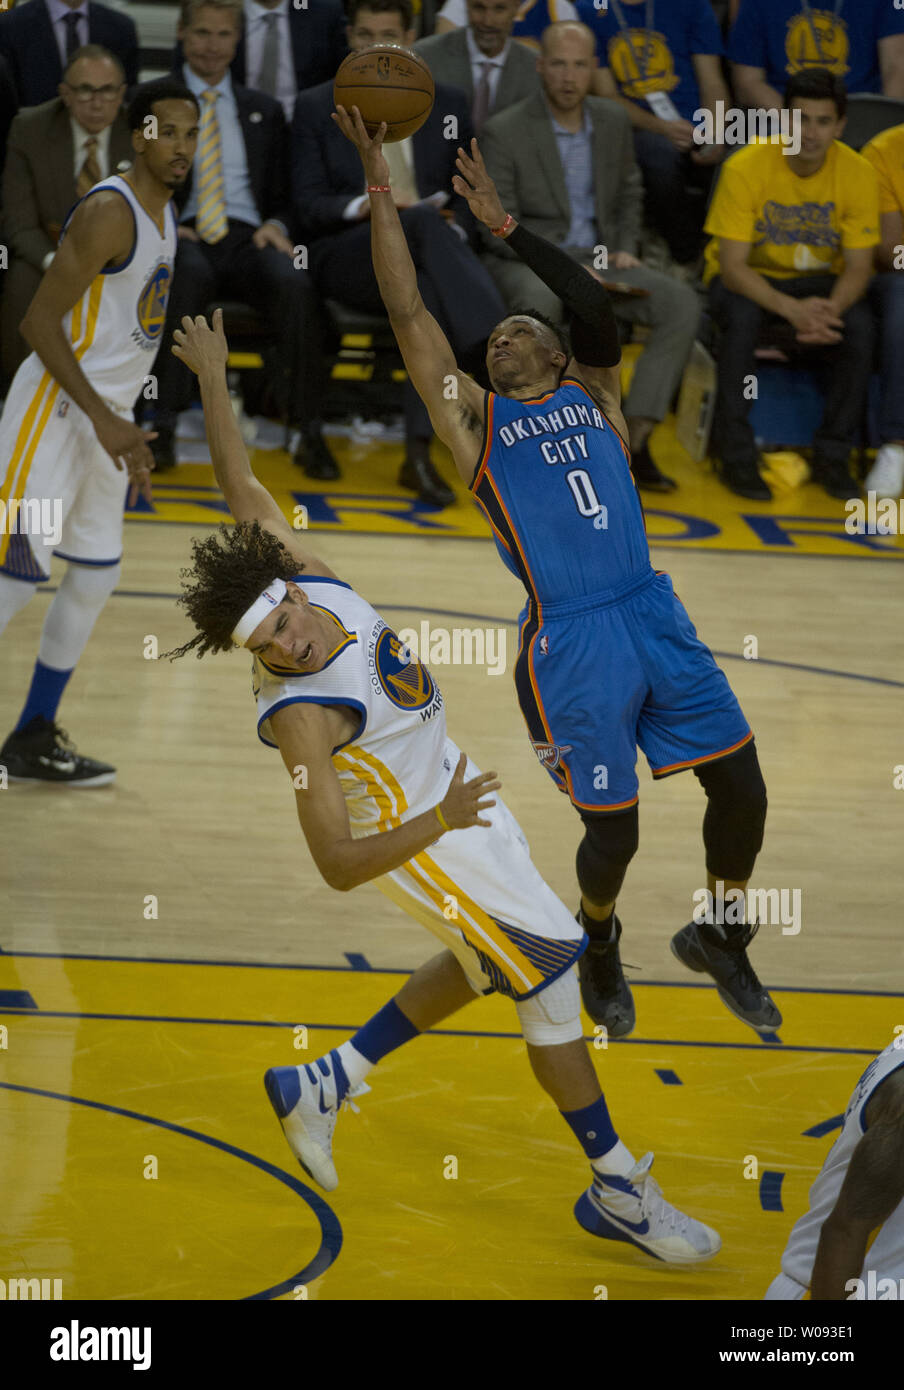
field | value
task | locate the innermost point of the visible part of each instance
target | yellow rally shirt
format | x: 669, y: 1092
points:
x: 795, y: 226
x: 886, y: 154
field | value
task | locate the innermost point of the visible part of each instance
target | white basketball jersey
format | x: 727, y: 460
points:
x: 116, y: 327
x: 399, y: 762
x: 886, y: 1254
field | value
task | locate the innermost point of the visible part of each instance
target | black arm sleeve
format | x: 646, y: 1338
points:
x: 591, y: 322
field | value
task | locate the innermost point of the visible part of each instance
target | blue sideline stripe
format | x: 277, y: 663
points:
x: 771, y: 1191
x: 16, y: 999
x: 330, y: 1229
x: 357, y: 961
x: 438, y: 1032
x: 825, y: 1127
x: 771, y: 1038
x: 668, y: 1078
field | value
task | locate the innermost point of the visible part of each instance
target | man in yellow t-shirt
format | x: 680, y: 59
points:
x: 793, y: 238
x: 886, y: 154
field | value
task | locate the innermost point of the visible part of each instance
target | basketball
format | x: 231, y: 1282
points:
x: 386, y: 83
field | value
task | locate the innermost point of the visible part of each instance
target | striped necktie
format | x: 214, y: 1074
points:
x: 210, y: 223
x: 89, y: 174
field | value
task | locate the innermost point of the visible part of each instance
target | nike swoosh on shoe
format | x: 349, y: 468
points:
x: 58, y: 765
x: 639, y: 1228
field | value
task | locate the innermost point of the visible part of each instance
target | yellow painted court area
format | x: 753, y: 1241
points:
x: 127, y: 1068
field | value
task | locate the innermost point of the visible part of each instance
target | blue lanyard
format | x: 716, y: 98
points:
x: 648, y: 26
x: 813, y: 30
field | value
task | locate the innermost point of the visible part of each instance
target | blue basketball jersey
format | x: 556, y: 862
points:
x: 555, y: 483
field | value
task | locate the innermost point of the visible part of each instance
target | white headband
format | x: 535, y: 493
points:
x: 274, y: 594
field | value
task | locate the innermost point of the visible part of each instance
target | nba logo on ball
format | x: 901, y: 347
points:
x: 383, y: 67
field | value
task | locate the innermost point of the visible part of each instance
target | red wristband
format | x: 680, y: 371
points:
x: 379, y: 188
x: 506, y: 226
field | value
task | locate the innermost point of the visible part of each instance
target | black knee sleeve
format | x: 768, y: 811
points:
x: 735, y: 813
x: 609, y: 844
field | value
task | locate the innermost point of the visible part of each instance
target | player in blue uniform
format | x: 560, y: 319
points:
x: 608, y: 659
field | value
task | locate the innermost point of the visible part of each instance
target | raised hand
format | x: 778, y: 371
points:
x: 369, y: 147
x: 474, y: 183
x: 198, y: 345
x: 462, y: 804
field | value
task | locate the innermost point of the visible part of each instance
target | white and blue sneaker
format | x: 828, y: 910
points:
x: 633, y: 1209
x: 307, y: 1100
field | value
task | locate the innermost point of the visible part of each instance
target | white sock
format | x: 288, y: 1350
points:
x: 619, y: 1160
x: 356, y: 1065
x: 14, y: 594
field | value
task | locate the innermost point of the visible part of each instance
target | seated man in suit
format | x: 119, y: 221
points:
x: 233, y: 240
x: 285, y: 47
x: 39, y: 39
x: 483, y: 59
x: 532, y: 18
x: 563, y: 162
x: 332, y: 212
x: 886, y: 154
x: 56, y: 152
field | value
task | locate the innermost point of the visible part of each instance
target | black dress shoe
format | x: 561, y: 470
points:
x: 163, y: 448
x: 421, y: 477
x: 647, y: 475
x: 315, y: 458
x: 833, y: 477
x: 744, y: 480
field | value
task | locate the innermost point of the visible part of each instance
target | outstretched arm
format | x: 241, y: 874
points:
x: 453, y: 399
x: 205, y: 351
x: 596, y: 350
x: 873, y: 1187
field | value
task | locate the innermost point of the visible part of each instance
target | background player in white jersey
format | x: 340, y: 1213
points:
x: 68, y: 442
x: 859, y: 1191
x: 382, y: 795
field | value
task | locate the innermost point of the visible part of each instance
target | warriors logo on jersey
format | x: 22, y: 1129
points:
x: 405, y: 681
x: 151, y: 307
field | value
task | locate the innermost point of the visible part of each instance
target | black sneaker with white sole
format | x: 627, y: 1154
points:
x: 702, y: 949
x: 604, y: 989
x: 43, y: 752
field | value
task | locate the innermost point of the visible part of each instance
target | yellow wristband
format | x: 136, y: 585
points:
x: 441, y: 818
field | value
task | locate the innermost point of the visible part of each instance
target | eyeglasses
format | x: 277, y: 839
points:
x: 83, y: 92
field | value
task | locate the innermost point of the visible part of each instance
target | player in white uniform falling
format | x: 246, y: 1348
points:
x: 68, y: 443
x: 383, y: 795
x: 859, y: 1191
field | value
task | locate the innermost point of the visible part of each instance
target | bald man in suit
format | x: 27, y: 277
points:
x: 48, y: 150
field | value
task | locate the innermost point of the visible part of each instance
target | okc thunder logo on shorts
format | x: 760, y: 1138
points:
x: 406, y: 682
x: 151, y: 306
x: 550, y: 754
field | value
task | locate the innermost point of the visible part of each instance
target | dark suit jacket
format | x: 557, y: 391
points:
x: 9, y: 105
x: 39, y: 180
x: 326, y: 170
x: 28, y: 44
x: 446, y: 55
x: 318, y: 44
x: 522, y: 156
x: 264, y: 128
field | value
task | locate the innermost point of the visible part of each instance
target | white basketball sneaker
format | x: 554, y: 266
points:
x: 886, y: 477
x: 633, y: 1209
x: 307, y: 1100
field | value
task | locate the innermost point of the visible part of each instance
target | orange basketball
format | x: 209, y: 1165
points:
x: 386, y: 83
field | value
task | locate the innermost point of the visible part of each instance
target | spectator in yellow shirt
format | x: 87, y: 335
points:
x: 886, y: 154
x: 792, y: 239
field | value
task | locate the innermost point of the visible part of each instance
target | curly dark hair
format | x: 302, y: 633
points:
x: 230, y: 569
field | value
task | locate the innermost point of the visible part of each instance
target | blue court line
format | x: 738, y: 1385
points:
x: 780, y: 552
x: 357, y: 961
x: 825, y: 1127
x: 397, y: 970
x: 771, y: 1191
x: 512, y: 622
x: 668, y: 1078
x: 437, y: 1032
x: 330, y: 1229
x: 16, y: 999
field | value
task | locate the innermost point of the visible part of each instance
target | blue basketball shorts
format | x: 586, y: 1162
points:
x: 600, y: 676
